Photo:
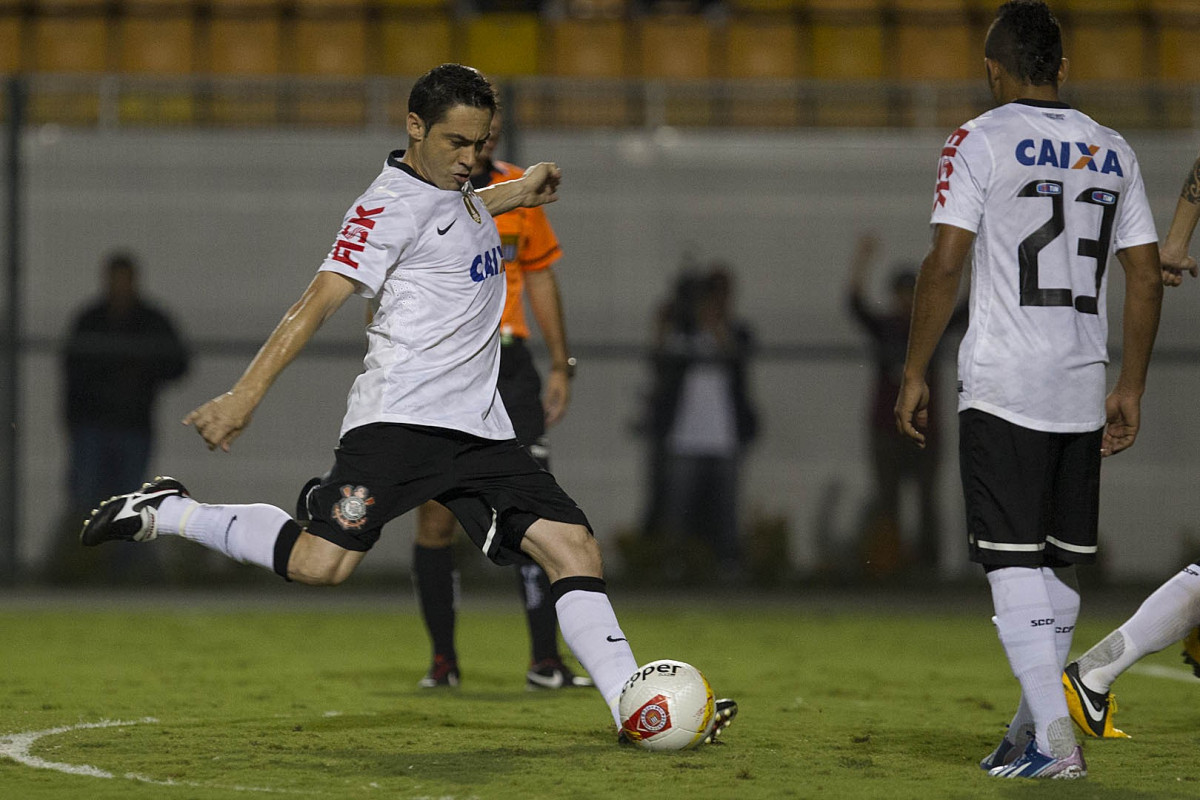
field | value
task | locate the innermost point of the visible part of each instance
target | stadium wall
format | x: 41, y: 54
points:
x: 231, y: 225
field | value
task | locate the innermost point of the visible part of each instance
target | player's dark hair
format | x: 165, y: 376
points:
x: 447, y: 86
x: 1026, y: 40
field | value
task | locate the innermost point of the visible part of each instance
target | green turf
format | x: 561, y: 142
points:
x: 849, y: 704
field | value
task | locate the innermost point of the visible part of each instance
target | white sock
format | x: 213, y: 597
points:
x: 590, y: 629
x: 1025, y: 623
x: 245, y: 533
x: 1164, y: 618
x: 1064, y: 599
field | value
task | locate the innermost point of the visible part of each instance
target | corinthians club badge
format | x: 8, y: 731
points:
x: 468, y: 193
x: 351, y: 510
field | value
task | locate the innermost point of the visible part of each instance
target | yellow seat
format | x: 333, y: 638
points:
x: 71, y: 37
x: 504, y: 44
x: 675, y: 47
x: 415, y: 42
x: 155, y: 37
x: 935, y: 41
x: 1178, y: 40
x: 244, y: 38
x: 10, y: 40
x: 587, y: 48
x: 329, y: 38
x: 1103, y: 40
x: 764, y: 49
x: 847, y: 39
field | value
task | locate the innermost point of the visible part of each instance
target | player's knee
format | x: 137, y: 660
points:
x: 316, y: 575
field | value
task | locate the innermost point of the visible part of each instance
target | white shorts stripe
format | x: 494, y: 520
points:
x: 1011, y: 548
x: 1074, y: 548
x: 491, y: 534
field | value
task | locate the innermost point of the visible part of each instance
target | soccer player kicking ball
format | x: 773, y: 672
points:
x: 424, y: 420
x: 1174, y: 608
x: 1040, y: 195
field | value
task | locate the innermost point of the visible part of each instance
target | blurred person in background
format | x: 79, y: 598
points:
x: 1040, y: 196
x: 120, y: 353
x: 1173, y: 609
x: 894, y: 462
x: 530, y: 252
x: 701, y: 421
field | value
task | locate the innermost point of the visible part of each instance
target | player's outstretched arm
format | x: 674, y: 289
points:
x: 538, y: 186
x: 933, y: 305
x: 1174, y: 250
x: 222, y: 419
x: 1143, y: 304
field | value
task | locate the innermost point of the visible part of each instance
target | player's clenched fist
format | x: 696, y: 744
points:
x: 543, y: 179
x: 221, y: 420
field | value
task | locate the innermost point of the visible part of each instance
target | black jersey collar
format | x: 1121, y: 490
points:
x: 394, y: 159
x: 1027, y: 101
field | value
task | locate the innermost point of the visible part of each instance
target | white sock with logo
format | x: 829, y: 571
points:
x: 1025, y: 624
x: 1163, y: 618
x: 245, y: 533
x: 591, y: 630
x: 1063, y: 590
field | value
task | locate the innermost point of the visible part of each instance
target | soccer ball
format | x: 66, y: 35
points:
x: 666, y: 705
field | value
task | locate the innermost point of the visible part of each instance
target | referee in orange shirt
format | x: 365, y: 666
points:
x: 530, y: 251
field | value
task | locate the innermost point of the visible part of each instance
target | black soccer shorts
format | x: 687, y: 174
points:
x: 382, y: 470
x: 1032, y: 497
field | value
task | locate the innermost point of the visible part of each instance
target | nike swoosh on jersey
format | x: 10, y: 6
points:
x: 442, y: 231
x: 611, y: 639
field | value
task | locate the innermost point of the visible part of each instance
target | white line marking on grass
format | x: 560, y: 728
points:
x: 17, y: 746
x: 1170, y: 673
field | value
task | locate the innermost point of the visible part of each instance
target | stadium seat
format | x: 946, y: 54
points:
x: 763, y: 47
x: 1178, y: 51
x: 155, y: 37
x: 934, y: 41
x: 10, y: 37
x: 1104, y: 40
x: 847, y: 39
x: 743, y: 8
x: 329, y: 38
x: 71, y: 36
x: 587, y: 48
x: 244, y: 38
x: 675, y: 47
x: 412, y: 43
x: 504, y: 44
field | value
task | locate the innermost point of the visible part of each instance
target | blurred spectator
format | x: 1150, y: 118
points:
x: 120, y: 353
x: 700, y: 421
x: 894, y: 461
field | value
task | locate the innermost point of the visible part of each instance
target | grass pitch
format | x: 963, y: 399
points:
x: 235, y: 699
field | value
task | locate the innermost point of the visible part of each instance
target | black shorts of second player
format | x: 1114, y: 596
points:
x: 1032, y: 498
x: 382, y: 470
x: 521, y: 390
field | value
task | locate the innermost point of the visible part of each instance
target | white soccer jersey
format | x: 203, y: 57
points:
x: 430, y: 262
x: 1050, y: 194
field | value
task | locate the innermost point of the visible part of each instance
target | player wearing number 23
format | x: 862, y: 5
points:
x: 1040, y: 195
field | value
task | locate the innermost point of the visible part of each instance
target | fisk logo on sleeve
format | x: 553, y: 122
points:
x: 352, y: 239
x: 1067, y: 155
x: 946, y: 166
